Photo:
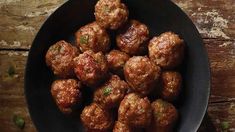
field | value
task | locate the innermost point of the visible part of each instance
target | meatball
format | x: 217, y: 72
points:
x: 141, y: 74
x: 165, y: 116
x: 110, y: 94
x: 91, y: 68
x: 133, y: 37
x: 167, y: 50
x: 94, y: 118
x: 171, y: 85
x: 121, y: 127
x: 66, y: 94
x: 59, y: 58
x: 92, y: 37
x: 135, y: 111
x: 111, y: 14
x: 116, y: 61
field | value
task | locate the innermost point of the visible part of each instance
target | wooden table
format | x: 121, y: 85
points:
x: 21, y: 19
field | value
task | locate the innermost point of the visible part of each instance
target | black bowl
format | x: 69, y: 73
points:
x: 160, y: 16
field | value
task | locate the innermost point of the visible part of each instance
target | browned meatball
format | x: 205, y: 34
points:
x: 111, y: 93
x: 59, y: 58
x: 116, y: 61
x: 111, y: 14
x: 91, y: 68
x: 167, y: 50
x: 122, y: 127
x: 141, y: 74
x: 165, y: 116
x: 94, y: 118
x: 92, y: 37
x: 171, y: 85
x: 66, y: 94
x: 132, y: 39
x: 135, y: 111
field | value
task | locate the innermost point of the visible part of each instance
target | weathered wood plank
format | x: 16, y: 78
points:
x: 222, y: 61
x: 219, y: 114
x: 12, y: 100
x: 222, y: 112
x: 213, y: 18
x: 21, y: 19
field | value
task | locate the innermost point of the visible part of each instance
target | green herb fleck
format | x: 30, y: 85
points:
x: 157, y: 114
x: 106, y: 9
x: 61, y: 50
x: 88, y: 69
x: 84, y: 39
x: 224, y: 125
x: 163, y: 103
x: 98, y: 60
x: 107, y: 91
x: 55, y: 48
x: 19, y: 121
x: 122, y: 63
x: 11, y: 71
x: 142, y: 110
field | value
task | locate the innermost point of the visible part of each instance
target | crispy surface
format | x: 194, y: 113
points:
x: 166, y: 50
x: 135, y: 111
x: 111, y: 14
x: 121, y: 127
x: 141, y: 74
x: 133, y: 37
x: 171, y: 85
x: 116, y: 61
x: 110, y: 94
x: 66, y: 94
x: 91, y: 68
x: 59, y: 58
x: 94, y: 118
x: 92, y: 37
x: 165, y: 116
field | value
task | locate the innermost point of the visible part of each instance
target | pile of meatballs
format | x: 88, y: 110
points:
x: 133, y: 83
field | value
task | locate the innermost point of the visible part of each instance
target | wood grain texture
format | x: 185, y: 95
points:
x: 222, y: 61
x: 12, y: 100
x: 213, y: 18
x: 21, y: 19
x: 222, y: 112
x: 217, y: 115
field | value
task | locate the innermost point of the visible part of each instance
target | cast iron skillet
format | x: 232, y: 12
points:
x: 160, y: 16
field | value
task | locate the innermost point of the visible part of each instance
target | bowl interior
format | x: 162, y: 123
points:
x: 160, y: 16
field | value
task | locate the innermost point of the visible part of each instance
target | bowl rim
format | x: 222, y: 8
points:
x: 208, y: 69
x: 26, y: 70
